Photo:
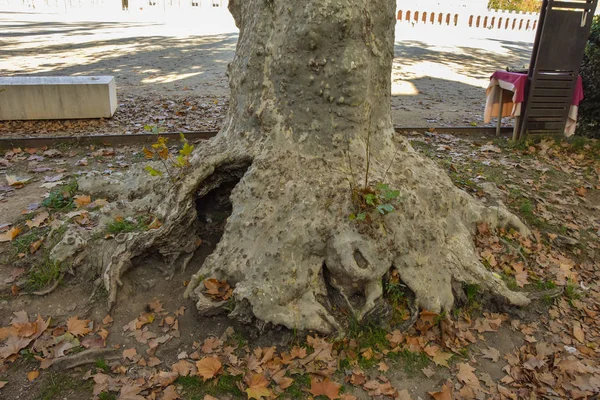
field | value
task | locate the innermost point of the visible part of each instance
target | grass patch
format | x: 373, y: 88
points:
x: 295, y: 391
x: 101, y: 364
x: 43, y: 274
x: 58, y: 385
x: 572, y: 291
x: 107, y: 396
x: 412, y: 363
x: 195, y: 389
x: 126, y: 225
x: 23, y: 242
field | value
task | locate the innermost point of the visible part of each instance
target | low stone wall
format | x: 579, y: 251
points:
x: 492, y: 19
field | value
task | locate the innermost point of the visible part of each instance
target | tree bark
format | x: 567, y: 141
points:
x: 308, y: 129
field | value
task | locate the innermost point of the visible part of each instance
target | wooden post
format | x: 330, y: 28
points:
x: 500, y: 105
x: 516, y: 129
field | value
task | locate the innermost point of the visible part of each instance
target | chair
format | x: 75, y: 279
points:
x: 561, y: 37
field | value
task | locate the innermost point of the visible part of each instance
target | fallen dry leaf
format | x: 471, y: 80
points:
x: 444, y: 394
x: 170, y: 393
x: 383, y: 366
x: 36, y: 245
x: 31, y: 375
x: 130, y: 353
x: 130, y: 392
x: 38, y: 220
x: 3, y: 383
x: 491, y: 354
x: 182, y: 367
x: 13, y: 345
x: 441, y: 358
x: 325, y: 388
x: 578, y: 332
x: 78, y: 327
x: 465, y: 375
x: 208, y: 367
x: 257, y: 386
x: 82, y: 200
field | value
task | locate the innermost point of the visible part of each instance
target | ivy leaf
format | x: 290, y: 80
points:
x: 152, y: 171
x: 370, y: 199
x: 362, y: 216
x: 382, y: 187
x: 385, y: 208
x: 391, y: 194
x: 180, y: 161
x: 187, y: 150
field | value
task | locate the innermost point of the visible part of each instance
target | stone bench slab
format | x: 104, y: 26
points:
x: 57, y: 97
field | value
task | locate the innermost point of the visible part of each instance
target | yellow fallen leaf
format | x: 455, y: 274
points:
x: 257, y: 387
x: 31, y: 375
x: 13, y: 180
x: 10, y: 235
x: 82, y: 200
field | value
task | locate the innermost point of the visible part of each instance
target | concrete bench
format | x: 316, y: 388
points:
x: 57, y: 97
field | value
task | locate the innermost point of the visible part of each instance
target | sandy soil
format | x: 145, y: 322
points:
x: 172, y: 72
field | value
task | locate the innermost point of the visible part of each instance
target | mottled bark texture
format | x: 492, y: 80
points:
x: 310, y: 102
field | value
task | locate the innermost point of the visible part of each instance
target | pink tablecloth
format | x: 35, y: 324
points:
x: 511, y: 102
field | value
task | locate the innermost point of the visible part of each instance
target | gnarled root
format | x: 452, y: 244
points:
x: 291, y: 252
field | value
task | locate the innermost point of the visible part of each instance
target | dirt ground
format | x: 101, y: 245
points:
x: 173, y: 73
x: 154, y: 346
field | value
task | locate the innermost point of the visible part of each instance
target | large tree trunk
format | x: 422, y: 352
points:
x: 308, y: 129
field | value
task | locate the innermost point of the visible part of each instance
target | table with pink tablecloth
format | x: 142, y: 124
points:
x: 502, y: 83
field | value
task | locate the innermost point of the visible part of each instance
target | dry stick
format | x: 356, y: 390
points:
x: 369, y: 112
x: 391, y: 163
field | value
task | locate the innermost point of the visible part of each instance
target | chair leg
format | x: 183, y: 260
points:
x: 499, y: 125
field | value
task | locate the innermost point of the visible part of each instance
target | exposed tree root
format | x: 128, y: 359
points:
x: 86, y: 357
x: 289, y: 248
x: 51, y: 288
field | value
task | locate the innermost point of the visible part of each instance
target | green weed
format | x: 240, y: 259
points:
x: 43, y: 274
x: 195, y: 389
x: 101, y: 364
x: 61, y: 198
x: 58, y: 385
x: 412, y: 363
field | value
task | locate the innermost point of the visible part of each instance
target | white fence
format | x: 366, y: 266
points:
x: 65, y: 6
x: 492, y: 19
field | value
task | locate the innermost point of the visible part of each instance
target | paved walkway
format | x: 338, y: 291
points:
x: 439, y: 73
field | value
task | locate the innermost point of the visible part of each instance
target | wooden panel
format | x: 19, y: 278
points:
x: 570, y: 4
x: 540, y: 112
x: 539, y: 92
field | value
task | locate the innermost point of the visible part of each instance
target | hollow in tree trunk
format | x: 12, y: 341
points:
x: 310, y: 144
